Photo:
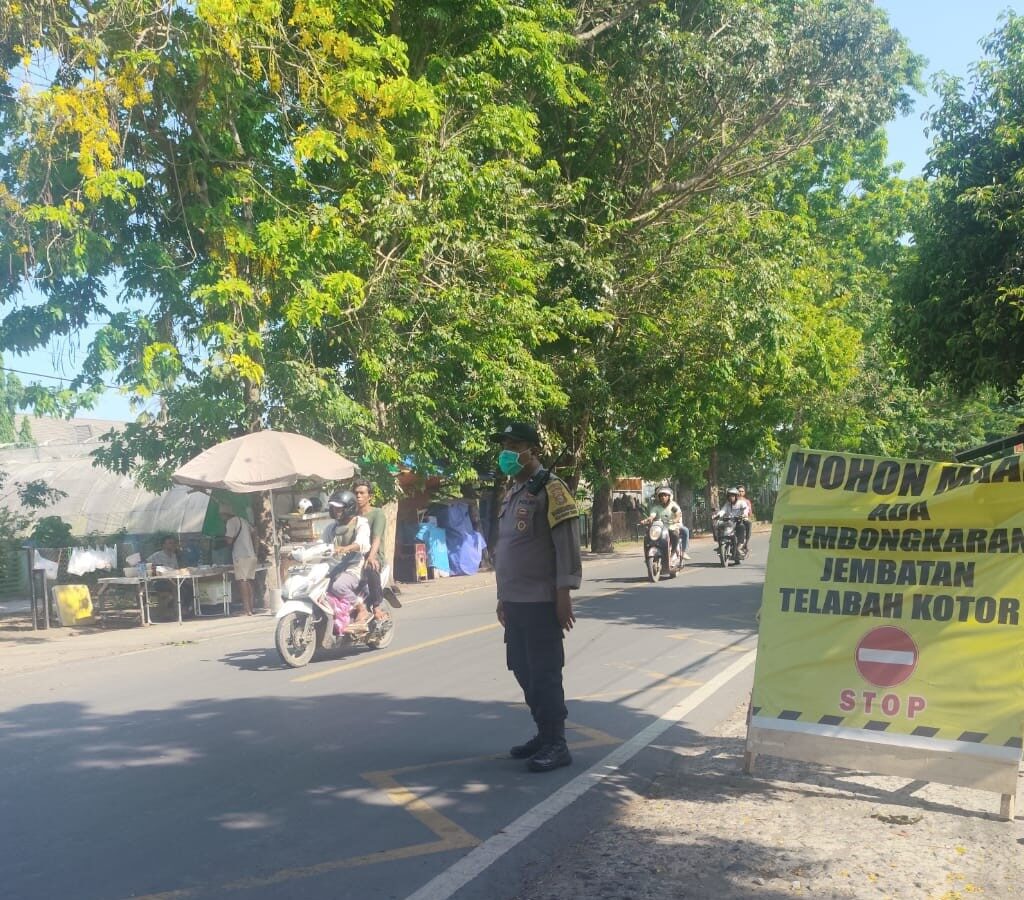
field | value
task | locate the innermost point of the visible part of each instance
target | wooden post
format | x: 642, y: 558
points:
x: 1006, y: 806
x: 749, y: 758
x: 749, y: 761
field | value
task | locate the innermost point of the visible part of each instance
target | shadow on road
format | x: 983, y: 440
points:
x: 256, y: 786
x: 259, y: 786
x: 676, y: 604
x: 259, y: 659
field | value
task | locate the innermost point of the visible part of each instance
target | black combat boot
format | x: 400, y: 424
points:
x: 525, y: 751
x: 554, y: 753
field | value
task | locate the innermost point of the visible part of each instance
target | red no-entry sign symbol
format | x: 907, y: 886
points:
x: 886, y: 656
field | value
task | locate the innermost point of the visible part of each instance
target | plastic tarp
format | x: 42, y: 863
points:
x: 102, y: 502
x: 240, y: 504
x: 437, y: 547
x: 465, y: 543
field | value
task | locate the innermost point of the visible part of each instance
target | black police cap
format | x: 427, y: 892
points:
x: 518, y: 431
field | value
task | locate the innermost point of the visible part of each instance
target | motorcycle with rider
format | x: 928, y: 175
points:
x: 732, y: 528
x: 666, y: 537
x: 327, y: 601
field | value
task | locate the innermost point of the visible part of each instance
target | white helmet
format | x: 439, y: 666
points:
x: 733, y: 491
x: 664, y: 489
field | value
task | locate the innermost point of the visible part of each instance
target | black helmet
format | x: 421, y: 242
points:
x: 343, y: 502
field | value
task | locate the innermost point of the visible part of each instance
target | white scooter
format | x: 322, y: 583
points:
x: 659, y: 554
x: 305, y: 621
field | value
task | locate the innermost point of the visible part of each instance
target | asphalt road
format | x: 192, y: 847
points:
x: 210, y: 770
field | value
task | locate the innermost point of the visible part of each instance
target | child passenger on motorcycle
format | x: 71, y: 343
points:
x: 349, y: 535
x: 666, y: 509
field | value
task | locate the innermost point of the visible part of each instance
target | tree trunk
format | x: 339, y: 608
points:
x: 601, y: 532
x: 712, y: 488
x: 685, y: 501
x: 572, y: 480
x: 265, y: 535
x: 261, y: 512
x: 570, y: 465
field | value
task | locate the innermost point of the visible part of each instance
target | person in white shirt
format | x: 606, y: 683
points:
x: 736, y: 506
x: 238, y: 533
x: 167, y: 557
x: 349, y: 535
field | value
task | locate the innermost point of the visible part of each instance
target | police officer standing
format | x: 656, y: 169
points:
x: 537, y: 564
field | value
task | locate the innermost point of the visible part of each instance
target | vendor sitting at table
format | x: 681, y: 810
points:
x: 167, y: 556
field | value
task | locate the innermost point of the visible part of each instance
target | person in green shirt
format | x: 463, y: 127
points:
x: 668, y: 511
x: 378, y: 522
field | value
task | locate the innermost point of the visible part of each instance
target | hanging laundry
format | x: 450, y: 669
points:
x: 47, y: 566
x: 108, y: 555
x: 90, y: 559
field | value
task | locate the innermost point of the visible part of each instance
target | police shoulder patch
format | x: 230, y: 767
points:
x: 561, y: 506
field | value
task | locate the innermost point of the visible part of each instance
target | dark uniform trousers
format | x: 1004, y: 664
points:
x: 535, y: 654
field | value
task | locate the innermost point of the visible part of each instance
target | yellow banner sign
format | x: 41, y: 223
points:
x: 894, y: 601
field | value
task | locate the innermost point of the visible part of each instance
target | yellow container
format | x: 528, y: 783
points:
x: 74, y: 602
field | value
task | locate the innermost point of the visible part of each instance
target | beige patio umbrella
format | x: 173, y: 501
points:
x: 264, y: 461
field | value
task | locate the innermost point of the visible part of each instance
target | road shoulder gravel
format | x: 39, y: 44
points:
x: 700, y: 828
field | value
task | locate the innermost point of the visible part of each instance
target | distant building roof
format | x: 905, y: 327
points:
x: 103, y: 502
x: 98, y: 500
x: 48, y: 431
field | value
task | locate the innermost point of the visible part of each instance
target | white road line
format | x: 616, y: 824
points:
x: 476, y: 861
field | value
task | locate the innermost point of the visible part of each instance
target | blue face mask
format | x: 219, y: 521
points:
x: 508, y: 462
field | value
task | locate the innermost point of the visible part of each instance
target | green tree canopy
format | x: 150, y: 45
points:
x: 310, y: 218
x: 959, y: 309
x: 690, y: 108
x: 665, y: 227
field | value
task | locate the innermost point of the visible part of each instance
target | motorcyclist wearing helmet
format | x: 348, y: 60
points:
x: 349, y: 535
x: 668, y: 511
x: 736, y: 506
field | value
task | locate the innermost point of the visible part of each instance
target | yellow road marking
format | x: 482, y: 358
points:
x: 349, y: 863
x: 391, y: 654
x: 732, y: 648
x: 745, y: 620
x: 379, y: 657
x: 449, y: 833
x: 729, y: 647
x: 450, y: 837
x: 624, y: 692
x: 595, y: 738
x: 671, y: 680
x: 333, y: 865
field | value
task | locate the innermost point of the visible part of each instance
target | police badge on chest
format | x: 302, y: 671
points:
x: 524, y: 511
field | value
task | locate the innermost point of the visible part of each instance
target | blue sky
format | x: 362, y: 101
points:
x: 946, y: 32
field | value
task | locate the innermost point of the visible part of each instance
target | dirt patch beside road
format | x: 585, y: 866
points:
x: 702, y: 829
